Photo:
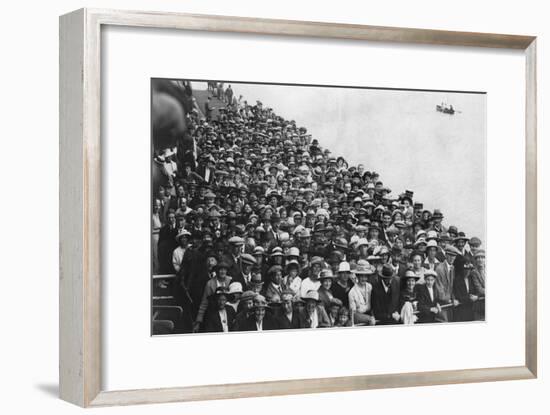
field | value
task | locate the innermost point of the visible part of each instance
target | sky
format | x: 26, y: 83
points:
x: 400, y: 135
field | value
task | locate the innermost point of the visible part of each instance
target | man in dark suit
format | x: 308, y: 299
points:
x: 286, y: 316
x: 385, y: 297
x: 429, y: 302
x: 463, y: 291
x: 220, y: 316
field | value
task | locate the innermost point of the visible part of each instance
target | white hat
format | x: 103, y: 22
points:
x: 344, y: 267
x: 235, y: 287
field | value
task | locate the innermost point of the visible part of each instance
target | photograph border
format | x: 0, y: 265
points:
x: 80, y: 302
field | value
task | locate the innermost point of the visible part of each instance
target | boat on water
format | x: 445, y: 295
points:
x: 445, y: 109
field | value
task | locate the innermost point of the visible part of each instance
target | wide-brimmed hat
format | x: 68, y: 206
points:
x: 432, y: 243
x: 219, y: 292
x: 451, y: 250
x: 184, y: 233
x: 317, y: 260
x: 461, y: 237
x: 437, y: 214
x: 292, y: 263
x: 236, y: 240
x: 411, y: 274
x: 430, y: 273
x: 326, y: 274
x: 293, y: 251
x: 248, y: 295
x: 387, y: 271
x: 256, y: 279
x: 223, y: 264
x: 432, y: 235
x: 277, y: 251
x: 248, y: 259
x: 344, y: 267
x: 479, y: 253
x: 361, y: 242
x: 364, y: 269
x: 235, y: 288
x: 258, y: 251
x: 311, y: 295
x: 259, y: 302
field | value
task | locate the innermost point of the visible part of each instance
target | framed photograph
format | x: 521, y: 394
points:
x: 308, y: 207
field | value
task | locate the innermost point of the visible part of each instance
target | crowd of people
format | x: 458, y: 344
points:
x: 256, y: 226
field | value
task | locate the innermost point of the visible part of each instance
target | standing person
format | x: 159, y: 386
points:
x: 167, y: 244
x: 445, y: 281
x: 431, y: 260
x: 220, y: 315
x: 463, y: 291
x: 360, y: 296
x: 343, y: 284
x: 229, y: 95
x: 208, y: 108
x: 429, y: 302
x: 385, y: 297
x: 478, y: 281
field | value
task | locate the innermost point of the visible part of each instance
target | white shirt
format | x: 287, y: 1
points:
x: 259, y: 326
x: 307, y: 285
x: 314, y: 319
x: 431, y: 291
x: 177, y: 258
x: 223, y: 319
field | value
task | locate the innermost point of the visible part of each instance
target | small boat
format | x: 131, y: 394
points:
x: 445, y: 109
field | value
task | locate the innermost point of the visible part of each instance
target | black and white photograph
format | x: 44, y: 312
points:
x: 286, y: 206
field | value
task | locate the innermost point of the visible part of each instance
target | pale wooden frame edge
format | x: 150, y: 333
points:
x: 80, y: 202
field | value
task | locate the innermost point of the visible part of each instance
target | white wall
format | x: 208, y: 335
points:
x: 29, y: 246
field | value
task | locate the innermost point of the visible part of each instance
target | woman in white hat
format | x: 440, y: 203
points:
x: 360, y: 295
x: 292, y: 280
x: 342, y: 285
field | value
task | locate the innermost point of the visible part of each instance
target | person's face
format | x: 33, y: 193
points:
x: 277, y: 277
x: 406, y: 203
x: 259, y: 258
x: 236, y: 250
x: 430, y: 281
x: 431, y: 253
x: 247, y: 304
x: 417, y: 261
x: 172, y: 219
x: 162, y: 192
x: 211, y: 262
x: 386, y: 219
x: 183, y: 241
x: 259, y: 314
x: 247, y: 268
x: 410, y: 284
x: 310, y: 306
x: 334, y: 310
x: 480, y: 261
x: 450, y: 258
x: 181, y: 191
x: 221, y: 301
x: 344, y: 276
x: 181, y: 222
x: 460, y: 244
x: 326, y: 283
x: 363, y: 279
x: 287, y: 306
x: 343, y: 318
x: 315, y: 268
x: 222, y: 272
x: 293, y: 272
x: 156, y: 206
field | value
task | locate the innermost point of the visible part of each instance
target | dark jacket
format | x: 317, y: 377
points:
x: 268, y: 323
x: 425, y: 303
x: 212, y: 322
x: 384, y: 304
x: 284, y: 323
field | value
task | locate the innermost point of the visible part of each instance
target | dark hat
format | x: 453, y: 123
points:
x: 219, y: 292
x: 387, y: 271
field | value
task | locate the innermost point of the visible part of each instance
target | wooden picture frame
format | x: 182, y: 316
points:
x: 80, y: 206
